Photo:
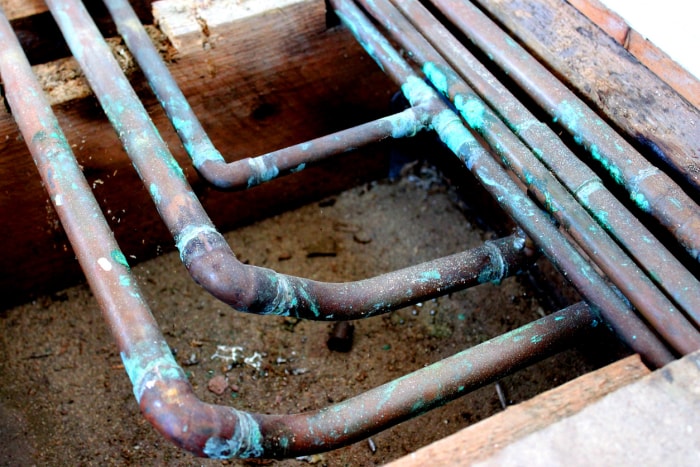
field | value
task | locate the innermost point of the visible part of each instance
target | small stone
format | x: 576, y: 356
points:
x: 284, y: 256
x: 325, y: 246
x: 362, y: 237
x: 218, y: 384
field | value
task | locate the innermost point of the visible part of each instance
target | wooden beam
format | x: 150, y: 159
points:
x: 21, y: 8
x: 481, y: 440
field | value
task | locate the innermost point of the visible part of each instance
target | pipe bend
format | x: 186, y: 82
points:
x: 205, y: 430
x: 212, y: 264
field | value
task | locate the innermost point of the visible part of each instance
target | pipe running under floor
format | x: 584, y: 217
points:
x: 653, y: 316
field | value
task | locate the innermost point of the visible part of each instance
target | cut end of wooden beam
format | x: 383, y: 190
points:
x: 195, y: 25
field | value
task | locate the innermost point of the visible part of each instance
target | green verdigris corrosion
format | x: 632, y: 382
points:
x: 148, y: 361
x: 246, y: 441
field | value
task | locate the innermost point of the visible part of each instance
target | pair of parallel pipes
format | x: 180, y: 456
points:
x: 159, y: 384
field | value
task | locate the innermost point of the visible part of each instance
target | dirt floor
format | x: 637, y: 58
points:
x: 66, y: 400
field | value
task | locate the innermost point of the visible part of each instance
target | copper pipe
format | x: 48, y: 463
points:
x: 161, y: 387
x: 203, y: 249
x: 620, y: 268
x: 650, y: 189
x: 530, y: 218
x: 247, y: 172
x: 651, y: 255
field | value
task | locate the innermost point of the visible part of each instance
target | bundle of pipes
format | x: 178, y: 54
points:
x: 627, y: 277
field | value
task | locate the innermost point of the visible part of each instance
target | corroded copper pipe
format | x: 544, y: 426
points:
x: 208, y: 256
x: 161, y: 387
x: 650, y: 189
x: 660, y: 265
x: 535, y: 222
x: 250, y: 171
x: 658, y: 310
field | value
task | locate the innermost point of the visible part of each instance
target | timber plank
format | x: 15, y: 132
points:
x: 481, y: 440
x: 664, y: 126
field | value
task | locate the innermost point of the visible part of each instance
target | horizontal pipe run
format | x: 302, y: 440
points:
x: 649, y: 188
x: 168, y: 401
x: 161, y: 387
x: 534, y: 222
x: 247, y: 172
x: 263, y: 291
x: 658, y: 263
x: 207, y: 255
x: 252, y: 171
x: 669, y: 322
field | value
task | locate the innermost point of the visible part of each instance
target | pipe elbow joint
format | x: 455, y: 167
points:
x: 204, y: 430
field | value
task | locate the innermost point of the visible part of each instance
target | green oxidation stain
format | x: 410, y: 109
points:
x: 655, y: 277
x: 486, y: 274
x: 246, y: 441
x: 418, y: 406
x: 536, y: 339
x: 436, y: 76
x: 173, y: 165
x: 609, y: 166
x: 208, y: 154
x: 454, y: 134
x: 460, y: 389
x: 416, y: 91
x: 602, y: 217
x: 570, y: 115
x: 183, y: 127
x: 641, y: 201
x: 427, y: 276
x: 155, y: 193
x: 405, y: 125
x: 558, y: 318
x: 125, y: 280
x: 299, y: 168
x: 119, y: 257
x: 150, y: 361
x: 461, y: 317
x: 471, y: 109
